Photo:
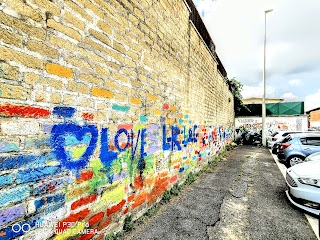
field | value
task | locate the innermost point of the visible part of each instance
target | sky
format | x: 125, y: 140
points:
x: 292, y: 51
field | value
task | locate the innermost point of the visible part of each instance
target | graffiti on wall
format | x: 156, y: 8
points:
x: 273, y: 124
x: 89, y: 175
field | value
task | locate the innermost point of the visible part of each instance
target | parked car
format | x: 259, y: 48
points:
x: 269, y: 138
x: 277, y: 144
x: 303, y: 181
x: 296, y: 147
x: 313, y: 157
x: 278, y: 138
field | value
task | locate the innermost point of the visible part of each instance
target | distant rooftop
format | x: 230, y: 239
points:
x: 315, y: 109
x: 280, y: 99
x: 256, y: 100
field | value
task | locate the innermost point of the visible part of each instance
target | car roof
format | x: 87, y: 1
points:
x: 282, y: 132
x: 306, y: 134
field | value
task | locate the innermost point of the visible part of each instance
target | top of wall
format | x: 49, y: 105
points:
x: 255, y: 100
x: 312, y: 110
x: 195, y: 18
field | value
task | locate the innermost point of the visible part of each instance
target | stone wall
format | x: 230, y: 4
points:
x: 104, y: 105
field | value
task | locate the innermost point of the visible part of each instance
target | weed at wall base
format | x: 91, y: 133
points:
x: 152, y: 211
x: 175, y: 190
x: 166, y: 197
x: 118, y: 235
x: 128, y: 224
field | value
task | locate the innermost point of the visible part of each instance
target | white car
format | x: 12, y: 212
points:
x: 303, y: 181
x: 278, y: 137
x: 313, y: 157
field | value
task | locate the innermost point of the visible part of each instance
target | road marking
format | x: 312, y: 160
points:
x: 312, y: 220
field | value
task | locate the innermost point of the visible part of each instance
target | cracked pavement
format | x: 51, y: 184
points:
x: 242, y: 198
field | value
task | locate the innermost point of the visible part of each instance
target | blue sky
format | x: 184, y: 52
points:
x: 293, y: 45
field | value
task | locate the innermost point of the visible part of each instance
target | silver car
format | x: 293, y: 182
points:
x: 303, y: 181
x: 296, y: 147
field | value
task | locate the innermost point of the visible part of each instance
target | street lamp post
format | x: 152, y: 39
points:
x: 264, y: 142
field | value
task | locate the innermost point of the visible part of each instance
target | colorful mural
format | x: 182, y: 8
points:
x: 273, y: 124
x: 86, y: 177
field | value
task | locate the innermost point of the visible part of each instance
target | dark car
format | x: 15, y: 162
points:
x: 296, y: 147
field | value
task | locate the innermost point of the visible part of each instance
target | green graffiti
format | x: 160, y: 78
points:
x: 78, y: 151
x: 138, y: 127
x: 125, y: 157
x: 99, y: 177
x: 120, y: 108
x: 11, y: 147
x: 149, y: 164
x: 143, y: 119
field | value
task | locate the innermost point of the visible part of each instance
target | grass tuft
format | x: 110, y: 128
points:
x: 166, y: 196
x: 128, y: 224
x: 175, y: 190
x: 152, y: 211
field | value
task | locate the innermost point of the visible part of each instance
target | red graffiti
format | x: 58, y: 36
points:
x: 165, y: 106
x: 88, y: 116
x: 23, y: 111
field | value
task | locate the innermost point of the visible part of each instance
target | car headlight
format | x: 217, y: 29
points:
x: 310, y: 181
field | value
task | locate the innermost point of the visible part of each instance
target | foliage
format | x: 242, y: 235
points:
x: 118, y: 235
x: 175, y: 190
x: 233, y: 144
x: 128, y: 224
x: 235, y: 88
x: 190, y: 179
x: 228, y: 147
x: 110, y: 237
x: 152, y: 211
x: 166, y: 197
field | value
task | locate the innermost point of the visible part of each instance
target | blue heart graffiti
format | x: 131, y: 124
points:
x: 58, y: 143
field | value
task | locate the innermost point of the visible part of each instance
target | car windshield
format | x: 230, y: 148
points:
x: 273, y: 134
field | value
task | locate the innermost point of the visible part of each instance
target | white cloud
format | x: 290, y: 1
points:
x: 295, y: 82
x: 257, y: 91
x: 312, y: 101
x: 249, y: 92
x: 289, y: 97
x: 292, y: 54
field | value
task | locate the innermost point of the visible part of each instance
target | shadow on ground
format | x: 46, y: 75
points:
x: 243, y: 198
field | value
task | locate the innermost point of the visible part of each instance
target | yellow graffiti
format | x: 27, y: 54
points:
x: 77, y: 191
x: 78, y: 151
x: 77, y: 229
x: 112, y: 196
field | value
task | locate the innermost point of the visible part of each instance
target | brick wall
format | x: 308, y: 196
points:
x: 104, y: 105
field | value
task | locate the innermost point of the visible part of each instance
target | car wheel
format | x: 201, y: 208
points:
x: 274, y: 151
x: 294, y: 160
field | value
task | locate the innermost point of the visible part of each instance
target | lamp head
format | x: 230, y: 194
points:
x: 269, y: 10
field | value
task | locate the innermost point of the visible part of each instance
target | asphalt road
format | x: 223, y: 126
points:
x: 243, y: 197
